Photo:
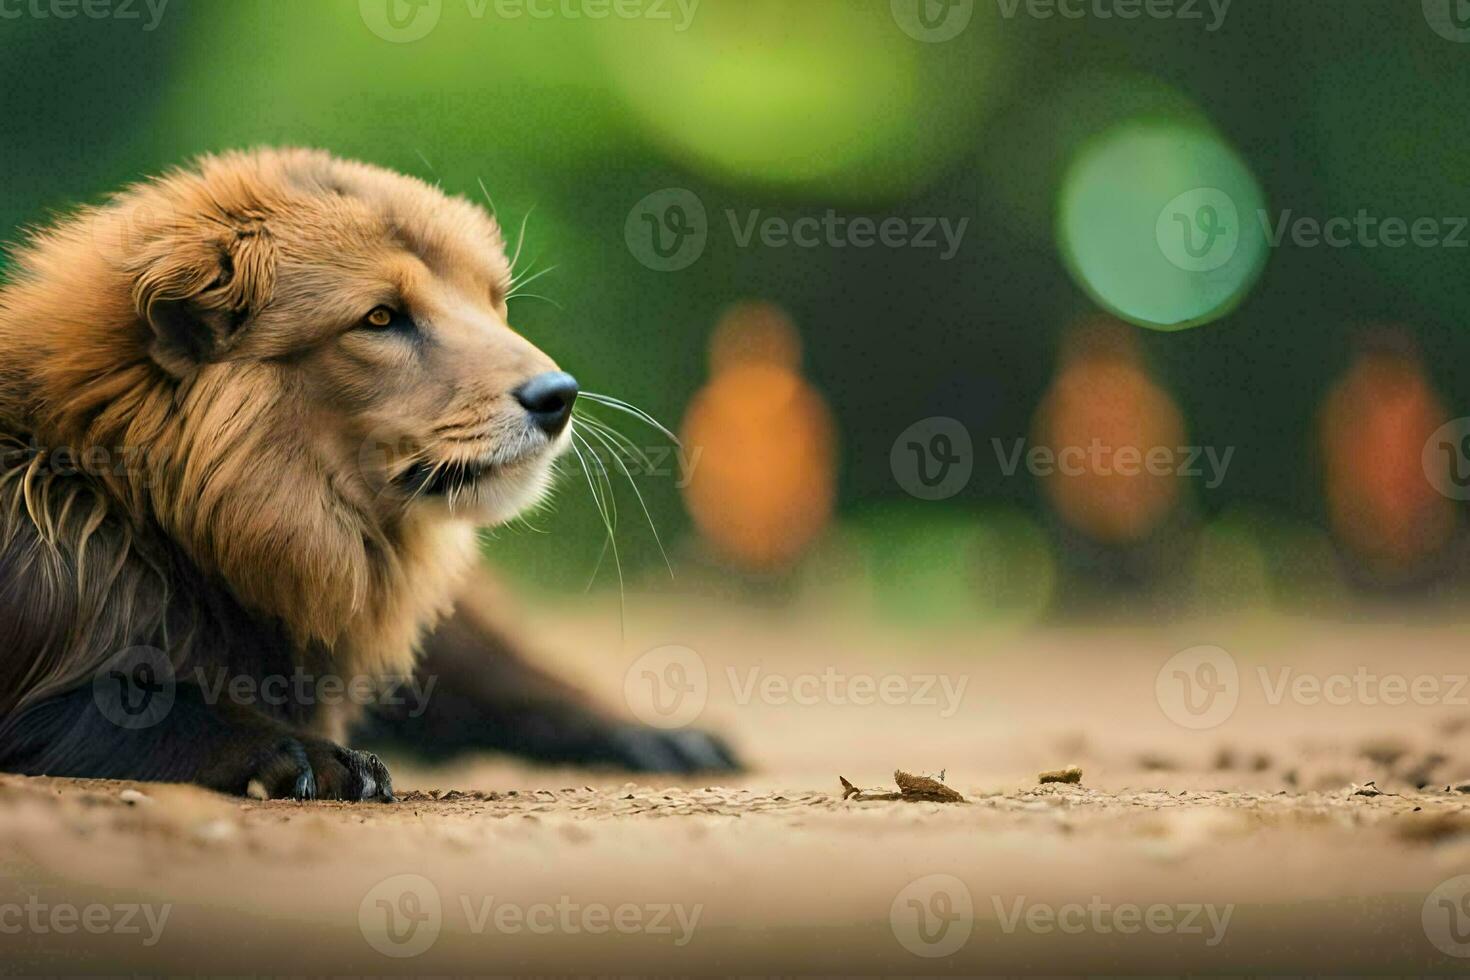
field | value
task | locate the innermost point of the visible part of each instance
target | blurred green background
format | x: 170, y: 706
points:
x: 1044, y: 133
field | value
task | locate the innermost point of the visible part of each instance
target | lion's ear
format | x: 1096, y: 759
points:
x: 198, y: 295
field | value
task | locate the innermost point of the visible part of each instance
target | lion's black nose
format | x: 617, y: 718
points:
x: 548, y: 399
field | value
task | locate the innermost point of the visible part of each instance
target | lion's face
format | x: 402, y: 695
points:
x: 438, y: 402
x: 379, y: 307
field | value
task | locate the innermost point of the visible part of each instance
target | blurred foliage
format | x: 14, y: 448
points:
x: 787, y: 110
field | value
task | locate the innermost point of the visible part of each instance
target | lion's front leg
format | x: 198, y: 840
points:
x: 175, y: 734
x: 486, y: 695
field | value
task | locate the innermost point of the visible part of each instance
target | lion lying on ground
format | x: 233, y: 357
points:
x: 251, y: 416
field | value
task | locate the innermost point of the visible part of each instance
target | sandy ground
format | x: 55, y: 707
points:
x: 1238, y: 847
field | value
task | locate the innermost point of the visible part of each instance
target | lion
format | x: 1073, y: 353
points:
x: 252, y: 416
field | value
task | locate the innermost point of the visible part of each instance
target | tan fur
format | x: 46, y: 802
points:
x: 202, y: 333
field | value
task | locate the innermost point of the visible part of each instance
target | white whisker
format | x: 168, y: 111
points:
x: 627, y: 444
x: 528, y: 277
x: 611, y: 541
x: 633, y: 410
x: 488, y: 200
x: 520, y: 242
x: 546, y: 299
x: 437, y: 182
x: 617, y: 458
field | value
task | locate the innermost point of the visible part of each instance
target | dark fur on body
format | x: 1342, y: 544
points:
x: 185, y: 391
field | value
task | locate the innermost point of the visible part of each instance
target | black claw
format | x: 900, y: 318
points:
x: 729, y: 762
x: 382, y: 781
x: 646, y: 750
x: 702, y: 751
x: 305, y: 787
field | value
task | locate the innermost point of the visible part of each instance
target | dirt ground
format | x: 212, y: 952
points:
x: 1239, y: 847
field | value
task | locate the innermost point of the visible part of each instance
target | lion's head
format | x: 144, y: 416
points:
x: 379, y: 305
x: 301, y: 369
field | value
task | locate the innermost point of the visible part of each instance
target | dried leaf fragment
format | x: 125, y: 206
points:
x: 912, y: 789
x: 924, y: 788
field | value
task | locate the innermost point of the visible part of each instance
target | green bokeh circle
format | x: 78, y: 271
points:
x: 1161, y: 223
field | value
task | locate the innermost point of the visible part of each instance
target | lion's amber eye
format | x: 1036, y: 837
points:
x: 381, y: 316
